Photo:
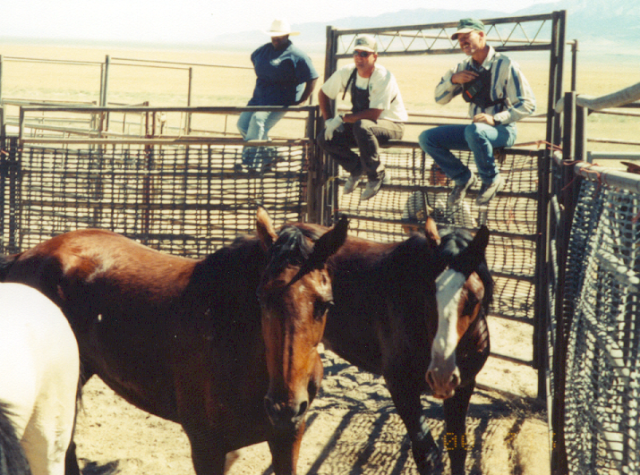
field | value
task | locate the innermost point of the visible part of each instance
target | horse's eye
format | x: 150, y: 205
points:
x: 320, y: 307
x: 470, y: 304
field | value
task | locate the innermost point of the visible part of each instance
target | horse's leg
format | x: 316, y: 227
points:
x: 455, y: 416
x: 406, y: 397
x: 207, y: 452
x: 71, y: 466
x: 285, y: 449
x: 71, y: 460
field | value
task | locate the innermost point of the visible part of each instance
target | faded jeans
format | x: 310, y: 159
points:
x: 480, y: 138
x: 366, y: 135
x: 256, y: 126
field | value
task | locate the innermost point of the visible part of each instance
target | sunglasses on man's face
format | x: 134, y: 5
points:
x: 362, y: 54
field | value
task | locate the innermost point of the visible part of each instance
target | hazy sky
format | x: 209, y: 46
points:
x: 196, y: 20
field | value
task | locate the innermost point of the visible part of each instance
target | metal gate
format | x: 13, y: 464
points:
x: 516, y: 217
x: 177, y: 194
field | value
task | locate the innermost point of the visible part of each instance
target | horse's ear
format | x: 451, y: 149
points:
x: 480, y: 240
x: 431, y: 232
x: 330, y: 242
x: 266, y: 231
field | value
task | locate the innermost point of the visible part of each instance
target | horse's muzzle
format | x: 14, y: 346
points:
x: 443, y: 383
x: 285, y: 414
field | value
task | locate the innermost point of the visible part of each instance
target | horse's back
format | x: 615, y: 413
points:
x: 85, y: 255
x: 39, y: 371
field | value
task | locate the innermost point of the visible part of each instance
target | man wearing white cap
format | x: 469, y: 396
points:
x: 285, y: 77
x: 376, y: 116
x: 498, y: 96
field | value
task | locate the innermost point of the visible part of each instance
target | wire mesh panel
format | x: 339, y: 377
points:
x: 603, y: 373
x: 418, y: 188
x: 185, y: 200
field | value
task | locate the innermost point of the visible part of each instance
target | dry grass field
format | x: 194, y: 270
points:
x: 164, y: 84
x: 114, y: 437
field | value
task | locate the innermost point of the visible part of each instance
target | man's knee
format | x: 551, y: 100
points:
x: 473, y: 132
x: 427, y: 139
x: 363, y: 127
x: 242, y: 125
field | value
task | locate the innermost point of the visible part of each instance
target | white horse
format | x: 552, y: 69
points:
x: 39, y: 373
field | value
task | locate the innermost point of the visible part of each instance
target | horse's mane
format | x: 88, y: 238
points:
x: 452, y: 243
x: 229, y: 269
x: 401, y: 261
x: 291, y: 248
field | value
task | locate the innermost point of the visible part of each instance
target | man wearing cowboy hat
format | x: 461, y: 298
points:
x: 285, y: 77
x: 498, y: 96
x: 377, y: 116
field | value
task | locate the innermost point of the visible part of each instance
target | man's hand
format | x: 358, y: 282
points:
x: 484, y: 119
x: 463, y: 77
x: 330, y: 126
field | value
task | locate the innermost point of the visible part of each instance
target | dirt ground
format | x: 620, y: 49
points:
x: 353, y: 427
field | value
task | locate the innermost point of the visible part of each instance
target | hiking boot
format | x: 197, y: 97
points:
x: 487, y: 192
x: 373, y: 186
x: 351, y: 183
x: 460, y: 191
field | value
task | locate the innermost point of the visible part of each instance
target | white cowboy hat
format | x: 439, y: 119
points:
x: 281, y: 28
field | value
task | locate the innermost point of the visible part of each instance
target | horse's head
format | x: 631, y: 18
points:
x: 463, y: 291
x: 295, y: 294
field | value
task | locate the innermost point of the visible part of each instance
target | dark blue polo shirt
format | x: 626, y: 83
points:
x: 281, y: 75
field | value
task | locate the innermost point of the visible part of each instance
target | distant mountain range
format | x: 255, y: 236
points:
x: 600, y: 26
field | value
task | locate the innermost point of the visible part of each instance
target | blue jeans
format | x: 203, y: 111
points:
x: 256, y: 126
x: 478, y: 137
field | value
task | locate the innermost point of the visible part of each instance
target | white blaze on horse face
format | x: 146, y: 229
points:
x: 443, y: 350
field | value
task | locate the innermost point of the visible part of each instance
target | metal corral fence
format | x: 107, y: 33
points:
x: 175, y: 188
x: 177, y: 194
x: 594, y: 303
x: 516, y: 217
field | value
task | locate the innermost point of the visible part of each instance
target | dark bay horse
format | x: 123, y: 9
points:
x: 415, y: 312
x: 183, y: 338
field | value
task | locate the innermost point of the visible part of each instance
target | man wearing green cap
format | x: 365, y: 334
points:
x: 498, y: 96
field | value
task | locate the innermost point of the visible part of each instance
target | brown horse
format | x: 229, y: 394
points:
x: 183, y: 338
x: 294, y: 293
x: 415, y: 312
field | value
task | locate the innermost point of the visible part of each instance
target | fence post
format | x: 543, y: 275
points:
x: 330, y: 168
x: 314, y: 163
x: 574, y: 65
x: 559, y: 454
x: 14, y: 196
x: 542, y: 313
x: 1, y: 64
x: 188, y: 124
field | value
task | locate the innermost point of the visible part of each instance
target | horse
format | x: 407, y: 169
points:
x: 39, y: 375
x: 295, y: 293
x: 183, y: 338
x: 415, y: 313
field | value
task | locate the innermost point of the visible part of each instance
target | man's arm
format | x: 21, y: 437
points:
x: 308, y: 89
x: 324, y: 102
x: 522, y: 102
x: 450, y: 84
x: 367, y: 114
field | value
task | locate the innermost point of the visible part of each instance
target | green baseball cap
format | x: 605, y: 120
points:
x: 366, y: 43
x: 467, y: 25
